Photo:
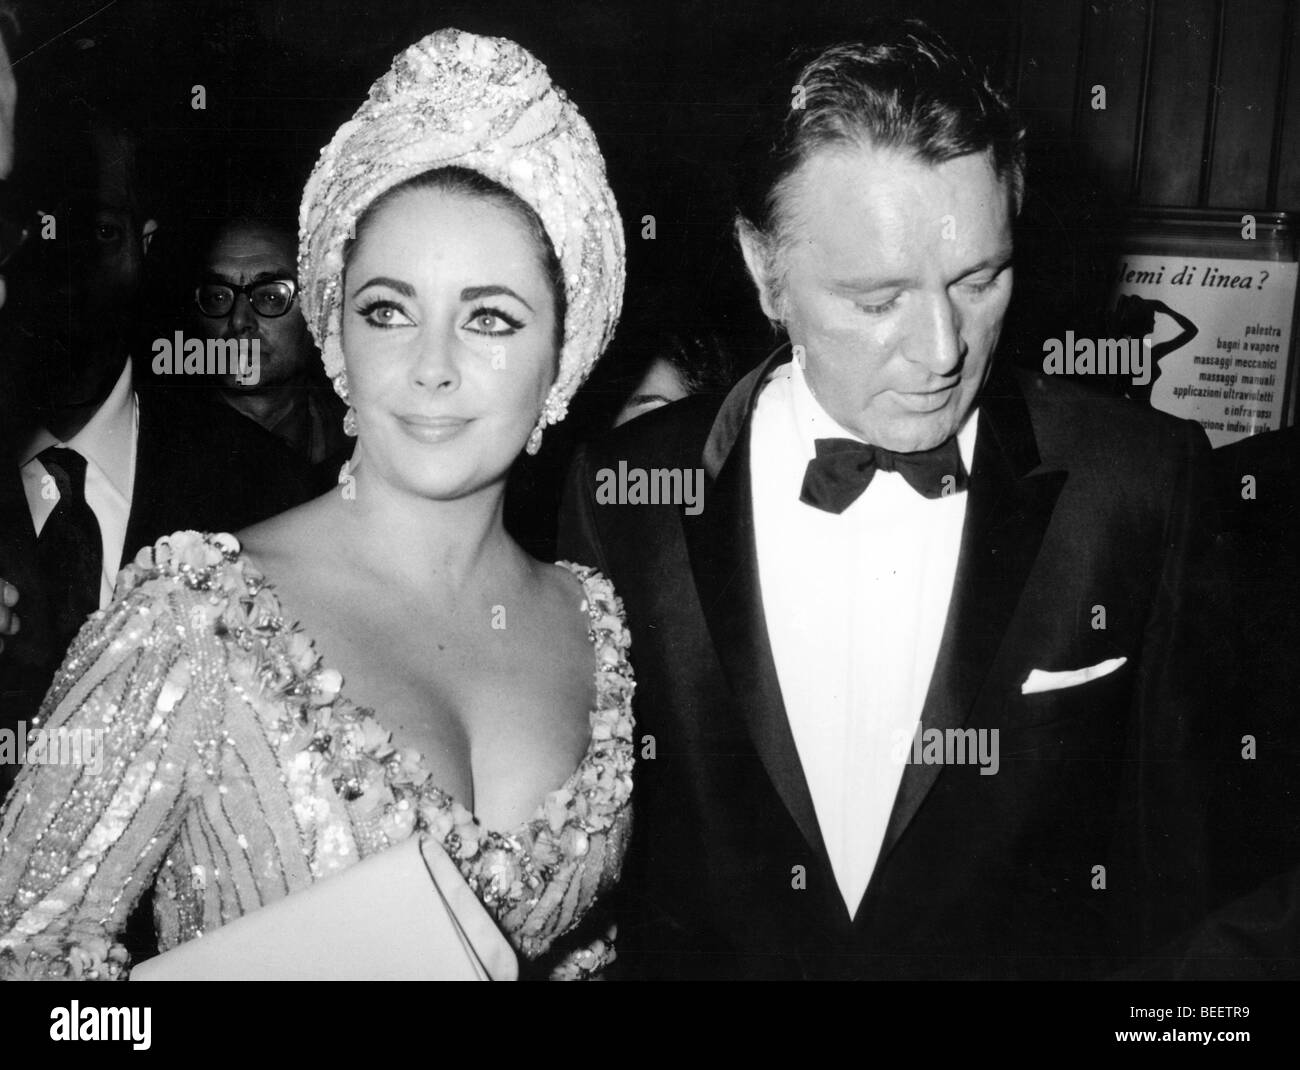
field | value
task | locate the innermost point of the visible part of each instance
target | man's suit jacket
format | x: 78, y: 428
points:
x: 1079, y: 505
x: 199, y: 465
x: 1256, y: 817
x: 1254, y: 932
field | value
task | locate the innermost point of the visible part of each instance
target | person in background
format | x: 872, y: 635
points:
x: 1254, y: 859
x: 14, y: 233
x: 247, y: 290
x: 1252, y: 932
x: 682, y: 362
x: 8, y: 106
x: 103, y: 466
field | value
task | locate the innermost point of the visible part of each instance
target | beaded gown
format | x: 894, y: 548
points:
x: 236, y: 771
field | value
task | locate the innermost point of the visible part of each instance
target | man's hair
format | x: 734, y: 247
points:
x: 700, y: 357
x: 204, y: 234
x: 66, y: 143
x: 902, y: 87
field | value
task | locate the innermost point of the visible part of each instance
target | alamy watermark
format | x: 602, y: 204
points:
x: 654, y: 486
x: 1102, y: 356
x: 948, y: 746
x: 59, y: 746
x: 75, y: 1022
x: 240, y: 358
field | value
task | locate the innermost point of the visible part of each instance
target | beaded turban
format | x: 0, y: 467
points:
x: 455, y: 99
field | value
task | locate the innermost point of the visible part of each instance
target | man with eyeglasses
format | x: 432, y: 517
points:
x: 247, y: 293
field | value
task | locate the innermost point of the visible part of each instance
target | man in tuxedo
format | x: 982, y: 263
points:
x: 105, y: 466
x: 915, y: 695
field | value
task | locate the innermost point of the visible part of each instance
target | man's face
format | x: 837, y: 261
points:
x: 897, y: 276
x: 254, y: 252
x: 74, y: 309
x: 112, y: 242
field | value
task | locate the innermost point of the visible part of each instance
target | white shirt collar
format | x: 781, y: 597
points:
x: 108, y: 439
x: 815, y: 422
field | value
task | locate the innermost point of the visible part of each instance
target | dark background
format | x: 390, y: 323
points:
x: 1202, y: 106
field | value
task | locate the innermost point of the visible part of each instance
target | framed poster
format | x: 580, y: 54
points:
x: 1212, y: 295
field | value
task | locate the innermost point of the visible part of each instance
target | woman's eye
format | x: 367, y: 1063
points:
x: 383, y: 314
x: 107, y: 233
x: 492, y: 321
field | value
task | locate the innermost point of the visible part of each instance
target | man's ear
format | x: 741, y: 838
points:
x: 147, y: 231
x: 755, y: 248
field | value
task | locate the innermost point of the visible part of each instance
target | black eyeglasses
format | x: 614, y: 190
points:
x: 270, y: 297
x: 18, y: 223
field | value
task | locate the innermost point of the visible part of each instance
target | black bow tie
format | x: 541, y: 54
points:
x: 844, y: 467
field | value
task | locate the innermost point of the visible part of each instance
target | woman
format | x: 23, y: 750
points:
x: 461, y: 270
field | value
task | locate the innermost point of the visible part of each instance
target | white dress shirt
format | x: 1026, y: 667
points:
x: 108, y: 443
x: 855, y: 605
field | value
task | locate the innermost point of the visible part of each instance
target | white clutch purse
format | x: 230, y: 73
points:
x: 405, y: 914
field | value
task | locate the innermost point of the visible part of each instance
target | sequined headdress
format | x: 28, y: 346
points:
x: 483, y: 103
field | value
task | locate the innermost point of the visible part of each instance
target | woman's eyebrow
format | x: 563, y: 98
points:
x: 403, y: 288
x: 474, y: 293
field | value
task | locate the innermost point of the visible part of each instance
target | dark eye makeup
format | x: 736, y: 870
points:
x: 378, y: 313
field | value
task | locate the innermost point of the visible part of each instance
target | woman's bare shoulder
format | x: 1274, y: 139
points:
x: 288, y: 535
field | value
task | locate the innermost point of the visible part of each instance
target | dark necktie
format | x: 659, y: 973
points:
x: 844, y: 467
x: 69, y: 548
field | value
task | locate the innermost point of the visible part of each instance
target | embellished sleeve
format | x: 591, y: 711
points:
x: 102, y: 791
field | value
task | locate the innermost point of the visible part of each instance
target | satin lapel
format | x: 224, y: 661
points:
x: 1006, y: 517
x: 724, y: 561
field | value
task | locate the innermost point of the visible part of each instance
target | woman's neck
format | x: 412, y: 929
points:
x: 445, y: 549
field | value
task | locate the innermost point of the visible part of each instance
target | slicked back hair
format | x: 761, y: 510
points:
x: 900, y: 87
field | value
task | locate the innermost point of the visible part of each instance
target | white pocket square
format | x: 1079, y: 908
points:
x: 1039, y: 680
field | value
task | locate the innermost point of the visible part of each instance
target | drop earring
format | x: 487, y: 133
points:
x: 552, y: 412
x: 340, y: 382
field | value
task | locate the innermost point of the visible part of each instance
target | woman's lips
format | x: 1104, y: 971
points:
x: 432, y: 429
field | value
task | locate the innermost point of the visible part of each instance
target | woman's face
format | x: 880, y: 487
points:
x: 448, y: 338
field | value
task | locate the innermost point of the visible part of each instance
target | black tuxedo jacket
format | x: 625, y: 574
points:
x: 1254, y: 934
x: 199, y: 465
x: 1085, y: 848
x: 1256, y: 820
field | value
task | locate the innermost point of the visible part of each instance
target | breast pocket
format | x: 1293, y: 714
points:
x: 1074, y: 737
x: 1085, y: 719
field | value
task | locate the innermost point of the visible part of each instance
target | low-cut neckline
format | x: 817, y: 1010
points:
x: 427, y: 778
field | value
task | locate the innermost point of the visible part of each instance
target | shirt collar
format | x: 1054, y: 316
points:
x: 815, y: 422
x: 108, y: 439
